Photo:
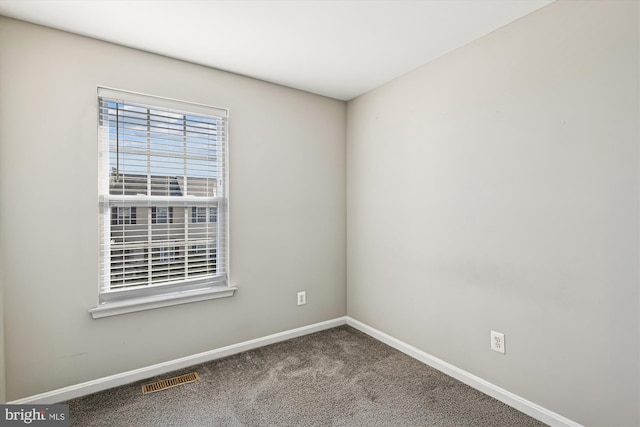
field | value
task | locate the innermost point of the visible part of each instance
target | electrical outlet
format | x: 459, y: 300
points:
x: 302, y: 298
x: 497, y: 342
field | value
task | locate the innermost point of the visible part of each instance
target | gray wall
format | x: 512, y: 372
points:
x: 3, y: 398
x: 497, y: 188
x: 288, y: 210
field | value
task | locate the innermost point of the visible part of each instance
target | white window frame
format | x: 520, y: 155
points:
x: 153, y: 295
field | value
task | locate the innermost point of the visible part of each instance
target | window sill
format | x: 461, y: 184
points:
x: 157, y: 301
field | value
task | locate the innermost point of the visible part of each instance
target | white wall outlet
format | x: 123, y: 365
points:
x: 497, y: 342
x: 302, y: 298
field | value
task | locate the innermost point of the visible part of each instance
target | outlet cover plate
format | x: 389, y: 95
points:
x: 497, y: 342
x: 302, y: 298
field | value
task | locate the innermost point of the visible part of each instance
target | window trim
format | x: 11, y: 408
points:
x: 165, y: 299
x: 120, y: 301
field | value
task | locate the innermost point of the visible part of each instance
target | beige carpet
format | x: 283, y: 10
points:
x: 338, y: 377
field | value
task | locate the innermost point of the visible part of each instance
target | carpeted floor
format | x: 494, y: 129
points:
x: 337, y: 377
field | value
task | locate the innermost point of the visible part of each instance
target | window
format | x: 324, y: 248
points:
x: 198, y: 214
x: 164, y: 253
x: 161, y: 215
x: 163, y: 202
x: 201, y: 214
x: 123, y: 215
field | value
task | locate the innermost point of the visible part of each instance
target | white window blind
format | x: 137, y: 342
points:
x: 161, y: 160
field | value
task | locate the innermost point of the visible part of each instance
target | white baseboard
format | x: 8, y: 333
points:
x: 515, y: 401
x: 100, y: 384
x: 111, y: 381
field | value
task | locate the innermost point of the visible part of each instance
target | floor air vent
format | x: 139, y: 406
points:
x: 170, y: 382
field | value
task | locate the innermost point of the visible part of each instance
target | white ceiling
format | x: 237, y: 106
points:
x: 339, y: 49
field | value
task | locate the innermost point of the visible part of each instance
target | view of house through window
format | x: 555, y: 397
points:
x: 162, y: 195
